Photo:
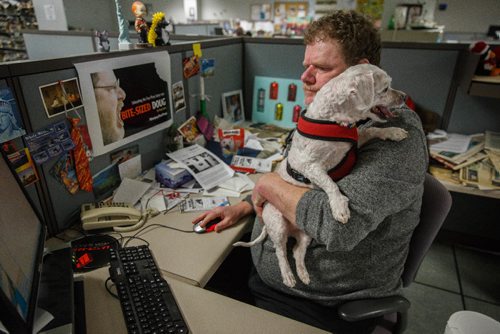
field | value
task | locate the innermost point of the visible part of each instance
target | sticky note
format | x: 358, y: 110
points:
x: 197, y: 50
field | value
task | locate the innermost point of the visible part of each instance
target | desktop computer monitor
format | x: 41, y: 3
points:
x: 22, y: 236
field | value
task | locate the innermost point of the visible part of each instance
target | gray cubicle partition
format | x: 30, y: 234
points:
x: 428, y: 72
x: 425, y: 71
x: 59, y: 207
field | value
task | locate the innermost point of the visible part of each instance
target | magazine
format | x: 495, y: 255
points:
x: 205, y: 167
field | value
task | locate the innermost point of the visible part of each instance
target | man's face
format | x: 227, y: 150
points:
x: 109, y: 98
x: 323, y: 60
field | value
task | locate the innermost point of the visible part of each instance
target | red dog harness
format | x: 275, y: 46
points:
x: 328, y: 131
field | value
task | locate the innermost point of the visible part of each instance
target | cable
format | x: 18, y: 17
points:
x: 140, y: 223
x: 134, y: 238
x: 108, y: 289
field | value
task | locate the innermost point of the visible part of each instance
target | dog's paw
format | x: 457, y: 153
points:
x: 340, y: 209
x: 396, y: 134
x: 289, y: 280
x: 304, y: 276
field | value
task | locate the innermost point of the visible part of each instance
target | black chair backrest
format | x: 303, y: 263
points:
x: 436, y: 203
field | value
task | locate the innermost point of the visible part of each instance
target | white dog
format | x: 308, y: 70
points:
x: 323, y: 150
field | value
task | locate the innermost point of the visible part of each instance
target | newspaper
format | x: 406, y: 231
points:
x: 455, y: 142
x: 476, y: 145
x: 203, y: 203
x: 492, y: 141
x: 205, y: 167
x: 495, y: 159
x: 481, y: 175
x: 259, y: 165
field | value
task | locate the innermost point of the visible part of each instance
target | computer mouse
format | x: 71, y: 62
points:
x: 209, y: 227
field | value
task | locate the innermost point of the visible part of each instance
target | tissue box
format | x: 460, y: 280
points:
x: 171, y: 177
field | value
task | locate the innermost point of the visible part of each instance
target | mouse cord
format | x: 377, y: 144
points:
x: 108, y: 288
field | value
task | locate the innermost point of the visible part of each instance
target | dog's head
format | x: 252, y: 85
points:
x: 227, y: 144
x: 360, y: 92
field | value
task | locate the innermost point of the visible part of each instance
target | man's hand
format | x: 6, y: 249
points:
x: 229, y: 215
x: 258, y: 203
x: 284, y: 196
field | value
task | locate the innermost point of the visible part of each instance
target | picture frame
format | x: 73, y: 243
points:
x: 232, y: 106
x: 61, y: 96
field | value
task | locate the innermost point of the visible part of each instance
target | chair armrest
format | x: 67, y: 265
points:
x: 362, y: 309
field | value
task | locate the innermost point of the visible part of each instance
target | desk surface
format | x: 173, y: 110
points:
x: 188, y: 261
x: 204, y: 311
x: 190, y: 257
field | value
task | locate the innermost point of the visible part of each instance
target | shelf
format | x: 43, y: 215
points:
x: 485, y: 86
x: 470, y: 190
x: 486, y: 79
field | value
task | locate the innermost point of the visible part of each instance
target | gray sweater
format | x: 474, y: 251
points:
x: 365, y: 257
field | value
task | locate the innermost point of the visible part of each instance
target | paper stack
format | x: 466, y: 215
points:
x: 472, y: 160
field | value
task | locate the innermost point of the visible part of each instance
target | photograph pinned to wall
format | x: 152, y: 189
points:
x: 49, y: 142
x: 190, y: 66
x: 23, y: 165
x: 10, y: 121
x: 64, y: 172
x: 189, y: 130
x: 126, y: 98
x: 178, y: 96
x: 124, y: 154
x: 105, y: 181
x: 207, y: 67
x: 232, y: 106
x: 9, y: 147
x: 61, y: 96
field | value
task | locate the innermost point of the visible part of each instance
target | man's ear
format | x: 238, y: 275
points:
x: 363, y: 92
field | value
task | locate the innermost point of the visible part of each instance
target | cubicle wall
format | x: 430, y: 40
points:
x: 61, y: 209
x: 427, y: 72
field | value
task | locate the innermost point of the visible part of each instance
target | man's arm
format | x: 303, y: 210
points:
x: 283, y: 195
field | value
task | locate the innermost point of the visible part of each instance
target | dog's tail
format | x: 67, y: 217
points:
x: 259, y: 239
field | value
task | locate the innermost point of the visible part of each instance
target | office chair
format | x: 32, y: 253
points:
x: 436, y: 203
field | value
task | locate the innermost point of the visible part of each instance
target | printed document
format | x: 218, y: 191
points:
x: 205, y: 167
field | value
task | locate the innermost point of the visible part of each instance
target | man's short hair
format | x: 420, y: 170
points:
x: 356, y: 34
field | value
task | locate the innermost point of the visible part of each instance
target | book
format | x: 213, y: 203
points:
x: 492, y: 141
x: 476, y: 145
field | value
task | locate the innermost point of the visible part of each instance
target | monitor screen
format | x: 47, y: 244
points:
x: 22, y: 237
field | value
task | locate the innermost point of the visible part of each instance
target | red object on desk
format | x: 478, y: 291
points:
x: 243, y: 169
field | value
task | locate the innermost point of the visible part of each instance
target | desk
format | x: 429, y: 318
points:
x: 190, y: 257
x: 188, y: 260
x: 204, y: 311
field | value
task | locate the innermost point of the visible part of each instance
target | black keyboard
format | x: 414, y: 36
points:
x: 147, y: 303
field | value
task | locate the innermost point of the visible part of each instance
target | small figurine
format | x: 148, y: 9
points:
x: 158, y: 25
x: 139, y: 10
x: 103, y: 41
x: 123, y: 38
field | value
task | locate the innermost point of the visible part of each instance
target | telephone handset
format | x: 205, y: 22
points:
x: 105, y: 215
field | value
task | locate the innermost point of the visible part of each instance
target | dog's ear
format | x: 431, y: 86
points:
x: 363, y: 92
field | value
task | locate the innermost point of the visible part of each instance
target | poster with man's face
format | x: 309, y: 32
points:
x: 125, y: 98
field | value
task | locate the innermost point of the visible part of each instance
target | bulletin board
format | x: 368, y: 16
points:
x: 265, y: 110
x: 290, y: 9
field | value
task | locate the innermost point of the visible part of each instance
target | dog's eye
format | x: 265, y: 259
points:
x: 385, y: 90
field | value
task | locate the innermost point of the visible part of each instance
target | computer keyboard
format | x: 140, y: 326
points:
x: 147, y: 303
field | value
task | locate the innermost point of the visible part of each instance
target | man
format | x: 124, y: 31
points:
x: 109, y: 98
x: 363, y: 258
